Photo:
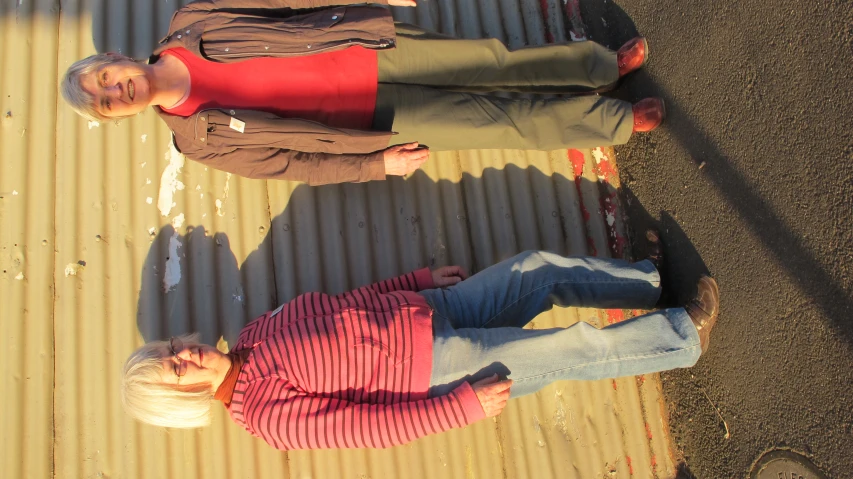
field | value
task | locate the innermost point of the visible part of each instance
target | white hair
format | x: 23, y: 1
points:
x: 147, y: 398
x: 72, y: 90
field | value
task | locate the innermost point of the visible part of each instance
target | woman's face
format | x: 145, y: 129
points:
x: 194, y: 364
x: 119, y: 89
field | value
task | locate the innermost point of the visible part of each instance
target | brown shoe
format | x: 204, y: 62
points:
x: 649, y: 113
x: 632, y: 55
x: 654, y: 252
x: 704, y: 308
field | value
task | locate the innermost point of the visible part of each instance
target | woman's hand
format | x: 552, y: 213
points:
x: 401, y: 160
x: 493, y: 394
x: 402, y: 3
x: 448, y: 276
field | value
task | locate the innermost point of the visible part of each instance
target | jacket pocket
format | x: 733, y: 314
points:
x: 371, y: 343
x: 334, y: 16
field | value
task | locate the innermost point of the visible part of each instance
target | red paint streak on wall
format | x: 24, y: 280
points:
x: 577, y: 160
x: 590, y: 244
x: 615, y: 315
x: 630, y: 466
x: 648, y: 431
x: 614, y: 384
x: 641, y: 379
x: 573, y: 11
x: 543, y: 6
x: 654, y: 463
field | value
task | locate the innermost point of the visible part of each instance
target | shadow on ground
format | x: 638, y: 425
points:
x: 753, y: 162
x: 787, y: 248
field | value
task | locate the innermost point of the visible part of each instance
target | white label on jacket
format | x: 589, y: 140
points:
x: 237, y: 124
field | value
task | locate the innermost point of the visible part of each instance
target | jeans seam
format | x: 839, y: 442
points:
x: 518, y: 300
x: 605, y: 360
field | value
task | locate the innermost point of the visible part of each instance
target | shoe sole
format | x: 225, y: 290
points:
x: 712, y: 321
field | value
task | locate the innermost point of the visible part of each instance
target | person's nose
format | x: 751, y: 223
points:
x: 186, y: 354
x: 113, y: 91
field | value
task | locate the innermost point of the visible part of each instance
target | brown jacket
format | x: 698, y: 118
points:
x: 272, y: 147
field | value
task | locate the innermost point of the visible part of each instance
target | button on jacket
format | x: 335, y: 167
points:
x: 272, y: 147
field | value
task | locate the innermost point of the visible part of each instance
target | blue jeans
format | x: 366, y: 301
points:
x: 477, y: 324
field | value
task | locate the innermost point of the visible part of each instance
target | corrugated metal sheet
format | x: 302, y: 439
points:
x: 28, y: 43
x: 93, y: 216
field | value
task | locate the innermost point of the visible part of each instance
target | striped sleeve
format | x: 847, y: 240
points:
x: 289, y: 421
x: 417, y: 280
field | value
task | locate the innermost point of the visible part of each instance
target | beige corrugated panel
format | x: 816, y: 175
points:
x: 98, y: 221
x: 27, y: 165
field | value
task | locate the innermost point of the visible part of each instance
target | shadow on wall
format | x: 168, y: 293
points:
x: 788, y: 249
x: 216, y: 297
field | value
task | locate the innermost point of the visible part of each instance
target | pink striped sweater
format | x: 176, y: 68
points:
x: 346, y: 371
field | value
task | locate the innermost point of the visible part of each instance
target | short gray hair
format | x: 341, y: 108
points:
x: 148, y: 398
x: 72, y: 91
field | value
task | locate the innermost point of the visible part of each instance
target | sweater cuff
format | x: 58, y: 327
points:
x: 470, y: 403
x: 423, y: 277
x: 374, y: 167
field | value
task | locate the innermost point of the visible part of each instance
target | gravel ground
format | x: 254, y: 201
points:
x: 751, y: 179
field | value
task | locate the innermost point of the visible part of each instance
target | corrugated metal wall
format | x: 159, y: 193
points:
x: 95, y: 218
x: 28, y: 43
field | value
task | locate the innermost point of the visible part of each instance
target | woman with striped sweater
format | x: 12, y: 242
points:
x: 418, y: 354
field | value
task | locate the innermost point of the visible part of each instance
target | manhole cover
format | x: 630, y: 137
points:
x: 785, y: 465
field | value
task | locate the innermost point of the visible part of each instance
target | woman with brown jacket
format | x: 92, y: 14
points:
x: 266, y: 89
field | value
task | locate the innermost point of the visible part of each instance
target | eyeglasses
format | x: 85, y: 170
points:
x: 176, y: 345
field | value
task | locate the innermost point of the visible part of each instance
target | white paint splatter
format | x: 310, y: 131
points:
x: 610, y: 219
x: 237, y: 296
x: 576, y: 38
x: 598, y: 155
x: 93, y: 124
x: 169, y: 182
x: 20, y: 276
x: 178, y: 221
x: 149, y: 200
x: 220, y: 204
x: 71, y: 269
x: 14, y: 192
x: 144, y: 137
x: 142, y: 165
x: 172, y: 276
x: 152, y: 230
x: 147, y: 181
x: 198, y: 187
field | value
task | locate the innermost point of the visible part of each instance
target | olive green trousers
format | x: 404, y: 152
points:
x: 431, y: 91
